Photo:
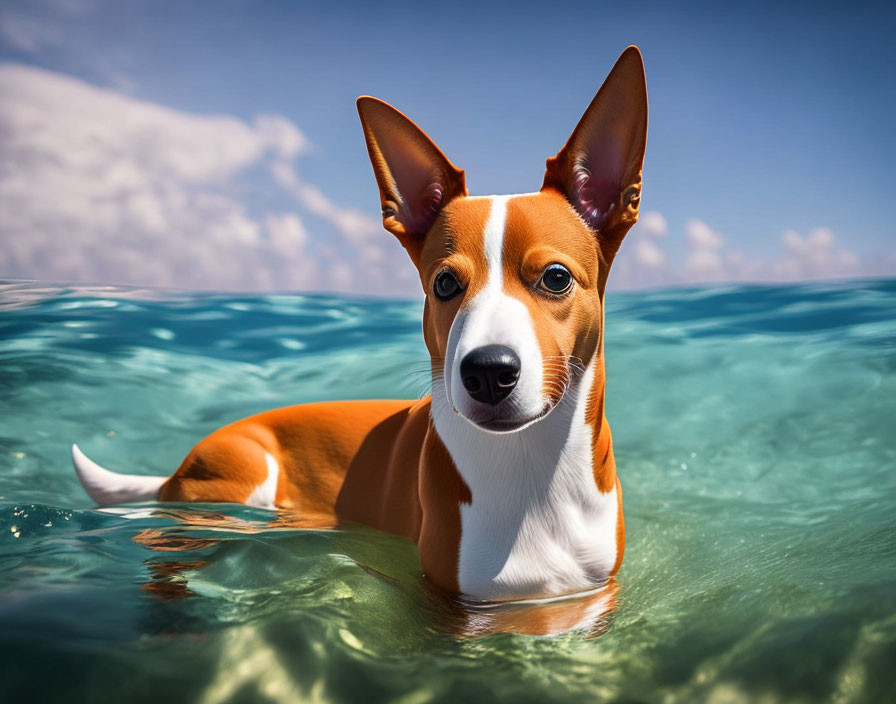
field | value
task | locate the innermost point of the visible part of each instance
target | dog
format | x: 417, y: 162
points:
x: 505, y: 476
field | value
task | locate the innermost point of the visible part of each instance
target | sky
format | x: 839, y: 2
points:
x: 216, y: 145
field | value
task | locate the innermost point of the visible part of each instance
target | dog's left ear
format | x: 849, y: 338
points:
x: 599, y: 168
x: 415, y: 179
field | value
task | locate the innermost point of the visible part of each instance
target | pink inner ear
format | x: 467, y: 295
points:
x: 422, y: 191
x: 597, y: 179
x: 419, y: 183
x: 606, y: 150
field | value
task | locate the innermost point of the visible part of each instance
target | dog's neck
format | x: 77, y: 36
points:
x: 542, y: 512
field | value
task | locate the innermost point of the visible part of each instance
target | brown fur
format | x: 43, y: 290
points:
x: 382, y: 463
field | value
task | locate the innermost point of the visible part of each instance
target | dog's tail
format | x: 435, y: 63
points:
x: 107, y: 488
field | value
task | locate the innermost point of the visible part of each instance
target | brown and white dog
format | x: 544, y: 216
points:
x: 505, y: 477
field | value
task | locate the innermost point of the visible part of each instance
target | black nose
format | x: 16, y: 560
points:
x: 489, y: 373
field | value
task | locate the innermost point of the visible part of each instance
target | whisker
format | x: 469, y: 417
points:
x: 421, y: 376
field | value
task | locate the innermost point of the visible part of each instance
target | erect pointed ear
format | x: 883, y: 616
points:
x: 599, y: 168
x: 415, y: 179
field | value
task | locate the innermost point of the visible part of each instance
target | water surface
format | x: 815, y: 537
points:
x: 755, y: 433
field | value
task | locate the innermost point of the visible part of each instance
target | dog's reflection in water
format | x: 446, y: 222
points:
x: 589, y: 612
x: 169, y: 578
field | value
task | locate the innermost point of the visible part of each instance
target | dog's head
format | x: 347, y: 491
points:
x: 514, y: 284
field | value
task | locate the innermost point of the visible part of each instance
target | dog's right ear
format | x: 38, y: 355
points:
x: 415, y: 179
x: 599, y: 168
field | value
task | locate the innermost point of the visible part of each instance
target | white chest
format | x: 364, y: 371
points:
x: 537, y: 524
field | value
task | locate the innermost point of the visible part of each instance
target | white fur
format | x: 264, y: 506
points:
x: 537, y: 523
x: 107, y: 488
x: 265, y: 493
x: 493, y: 317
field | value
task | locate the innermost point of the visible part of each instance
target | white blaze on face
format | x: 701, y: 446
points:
x: 494, y: 318
x: 537, y: 525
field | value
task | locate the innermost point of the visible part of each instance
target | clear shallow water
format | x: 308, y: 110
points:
x: 755, y: 432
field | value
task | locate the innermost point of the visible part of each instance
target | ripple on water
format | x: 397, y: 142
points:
x: 753, y: 433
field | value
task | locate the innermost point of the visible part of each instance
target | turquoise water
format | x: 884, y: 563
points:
x: 755, y: 432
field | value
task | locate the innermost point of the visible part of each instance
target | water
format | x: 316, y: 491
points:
x: 754, y: 432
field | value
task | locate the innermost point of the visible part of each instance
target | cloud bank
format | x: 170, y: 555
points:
x: 99, y: 187
x: 706, y: 257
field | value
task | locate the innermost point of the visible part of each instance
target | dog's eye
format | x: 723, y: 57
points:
x: 446, y: 286
x: 556, y: 279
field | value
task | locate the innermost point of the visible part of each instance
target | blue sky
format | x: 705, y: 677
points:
x: 765, y: 119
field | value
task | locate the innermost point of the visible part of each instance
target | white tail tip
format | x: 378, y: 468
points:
x: 108, y: 488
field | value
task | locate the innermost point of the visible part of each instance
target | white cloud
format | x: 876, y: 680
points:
x: 649, y: 255
x: 354, y: 225
x: 642, y: 260
x: 814, y: 256
x: 287, y: 232
x: 651, y: 228
x: 707, y: 258
x: 99, y: 187
x: 653, y: 224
